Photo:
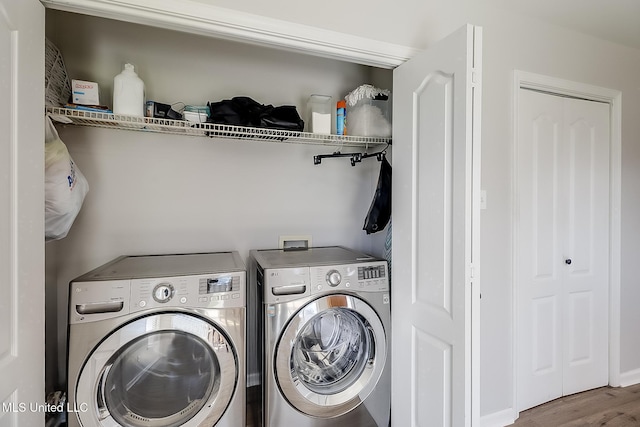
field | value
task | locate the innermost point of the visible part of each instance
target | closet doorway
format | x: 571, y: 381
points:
x: 562, y: 262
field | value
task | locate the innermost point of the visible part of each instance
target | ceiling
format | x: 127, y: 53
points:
x: 614, y: 20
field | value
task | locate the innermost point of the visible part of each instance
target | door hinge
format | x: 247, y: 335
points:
x: 471, y: 272
x: 476, y: 77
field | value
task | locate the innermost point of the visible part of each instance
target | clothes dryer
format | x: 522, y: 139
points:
x: 325, y: 322
x: 158, y: 341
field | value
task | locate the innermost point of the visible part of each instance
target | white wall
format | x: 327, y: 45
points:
x: 154, y: 193
x: 527, y: 45
x: 510, y: 42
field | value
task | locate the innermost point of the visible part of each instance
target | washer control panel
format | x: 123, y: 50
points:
x: 364, y: 277
x: 103, y: 299
x: 201, y: 291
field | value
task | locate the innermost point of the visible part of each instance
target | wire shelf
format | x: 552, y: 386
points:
x: 57, y: 87
x: 180, y: 127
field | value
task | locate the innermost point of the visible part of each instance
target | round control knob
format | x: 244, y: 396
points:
x: 163, y: 292
x: 333, y: 278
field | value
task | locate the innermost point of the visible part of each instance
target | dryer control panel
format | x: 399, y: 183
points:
x: 364, y: 277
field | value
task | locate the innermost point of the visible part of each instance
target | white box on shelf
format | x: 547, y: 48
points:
x: 84, y: 92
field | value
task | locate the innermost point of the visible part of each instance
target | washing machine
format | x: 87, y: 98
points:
x: 325, y: 325
x: 158, y: 341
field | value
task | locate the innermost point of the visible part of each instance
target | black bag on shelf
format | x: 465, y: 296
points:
x: 284, y: 117
x: 237, y: 111
x: 244, y: 111
x: 380, y: 209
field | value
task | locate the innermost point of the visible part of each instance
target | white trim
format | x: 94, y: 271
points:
x: 543, y: 83
x: 203, y: 19
x: 476, y: 179
x: 630, y: 378
x: 498, y: 419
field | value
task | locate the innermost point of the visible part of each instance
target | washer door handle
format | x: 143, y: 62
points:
x: 372, y: 349
x: 103, y: 411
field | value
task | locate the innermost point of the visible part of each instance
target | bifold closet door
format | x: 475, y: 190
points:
x: 22, y: 275
x: 436, y: 160
x: 562, y: 246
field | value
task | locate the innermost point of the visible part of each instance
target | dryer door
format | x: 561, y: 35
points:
x: 161, y: 370
x: 330, y: 355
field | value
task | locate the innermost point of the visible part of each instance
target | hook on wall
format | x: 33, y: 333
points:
x: 354, y: 157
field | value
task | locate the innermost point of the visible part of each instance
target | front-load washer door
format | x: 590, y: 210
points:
x: 165, y: 370
x: 330, y: 356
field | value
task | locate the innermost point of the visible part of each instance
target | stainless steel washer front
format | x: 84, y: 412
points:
x: 158, y: 341
x: 325, y: 322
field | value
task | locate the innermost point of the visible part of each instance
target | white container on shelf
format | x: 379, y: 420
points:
x: 369, y: 112
x: 369, y: 117
x: 128, y: 93
x: 319, y: 114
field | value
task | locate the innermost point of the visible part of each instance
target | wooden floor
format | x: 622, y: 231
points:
x: 606, y: 406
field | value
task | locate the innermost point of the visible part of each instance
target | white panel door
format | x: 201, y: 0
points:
x: 563, y: 247
x: 436, y: 171
x: 21, y: 212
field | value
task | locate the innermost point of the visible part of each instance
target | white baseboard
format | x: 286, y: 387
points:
x: 498, y: 419
x: 629, y: 378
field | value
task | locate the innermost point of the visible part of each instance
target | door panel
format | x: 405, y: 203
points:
x: 586, y: 279
x: 433, y: 287
x: 436, y: 123
x: 432, y: 380
x: 545, y: 354
x: 21, y: 211
x: 539, y: 175
x: 579, y: 346
x: 544, y: 165
x: 563, y: 188
x: 581, y: 155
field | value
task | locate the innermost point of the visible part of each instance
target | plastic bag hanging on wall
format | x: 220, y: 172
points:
x: 380, y: 209
x: 64, y: 186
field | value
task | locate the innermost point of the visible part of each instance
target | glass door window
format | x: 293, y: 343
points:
x: 330, y: 355
x: 163, y: 378
x: 163, y: 370
x: 332, y: 350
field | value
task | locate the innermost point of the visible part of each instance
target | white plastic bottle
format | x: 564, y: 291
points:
x: 128, y: 93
